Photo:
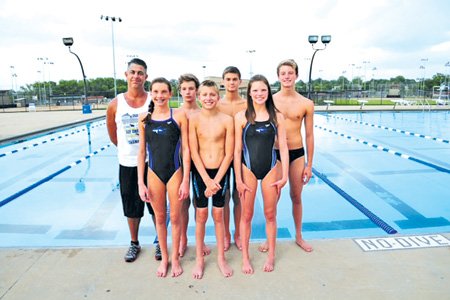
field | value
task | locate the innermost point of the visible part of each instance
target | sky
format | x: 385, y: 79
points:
x: 370, y: 38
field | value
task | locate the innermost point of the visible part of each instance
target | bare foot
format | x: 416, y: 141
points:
x: 269, y: 265
x: 206, y: 250
x: 182, y: 249
x: 227, y: 242
x: 177, y: 270
x: 264, y: 247
x: 304, y: 245
x: 237, y: 242
x: 162, y: 269
x: 247, y: 267
x: 226, y: 270
x: 197, y: 273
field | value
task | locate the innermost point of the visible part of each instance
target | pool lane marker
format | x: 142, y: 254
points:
x: 51, y: 176
x: 427, y: 137
x: 372, y: 217
x: 382, y: 148
x: 46, y: 141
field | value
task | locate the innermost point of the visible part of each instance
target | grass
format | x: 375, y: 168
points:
x: 376, y: 101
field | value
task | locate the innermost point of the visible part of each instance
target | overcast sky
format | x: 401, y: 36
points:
x: 394, y: 36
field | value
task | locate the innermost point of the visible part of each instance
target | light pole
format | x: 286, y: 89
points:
x: 313, y: 39
x: 365, y: 72
x: 50, y: 92
x: 423, y: 80
x: 39, y: 88
x: 250, y: 52
x: 130, y: 57
x: 13, y: 75
x: 373, y: 78
x: 320, y: 76
x: 113, y: 19
x: 204, y: 72
x: 446, y: 82
x: 43, y: 60
x: 351, y: 86
x: 343, y: 84
x: 359, y: 76
x: 424, y: 60
x: 86, y: 107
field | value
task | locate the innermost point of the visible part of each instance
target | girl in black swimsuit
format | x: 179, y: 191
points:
x: 163, y: 134
x: 256, y: 131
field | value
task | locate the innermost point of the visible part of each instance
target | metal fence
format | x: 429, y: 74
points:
x: 19, y: 102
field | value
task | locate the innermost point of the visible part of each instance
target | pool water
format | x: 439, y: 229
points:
x: 375, y: 174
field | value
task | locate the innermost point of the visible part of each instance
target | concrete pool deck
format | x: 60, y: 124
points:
x: 14, y: 125
x: 336, y: 269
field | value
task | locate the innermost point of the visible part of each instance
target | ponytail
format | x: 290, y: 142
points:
x: 151, y: 108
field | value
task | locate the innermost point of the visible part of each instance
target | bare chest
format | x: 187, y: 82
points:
x: 292, y: 113
x: 210, y: 133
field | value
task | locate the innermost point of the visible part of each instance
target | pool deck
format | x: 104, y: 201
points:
x: 336, y: 269
x: 14, y: 125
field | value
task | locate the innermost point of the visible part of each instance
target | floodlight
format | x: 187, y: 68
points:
x: 325, y: 39
x: 68, y: 41
x: 312, y: 39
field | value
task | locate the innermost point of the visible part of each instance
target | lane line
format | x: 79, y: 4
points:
x: 49, y: 177
x: 387, y: 150
x: 427, y: 137
x: 46, y: 141
x: 372, y: 217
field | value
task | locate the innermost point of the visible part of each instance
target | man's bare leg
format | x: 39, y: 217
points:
x: 296, y: 187
x: 133, y: 225
x: 297, y: 212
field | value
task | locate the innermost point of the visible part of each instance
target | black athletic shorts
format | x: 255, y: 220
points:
x: 133, y: 206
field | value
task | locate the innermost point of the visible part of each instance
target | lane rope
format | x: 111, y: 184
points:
x: 47, y: 141
x: 372, y: 217
x: 427, y: 137
x: 387, y: 150
x: 51, y: 176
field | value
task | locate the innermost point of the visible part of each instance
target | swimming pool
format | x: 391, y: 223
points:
x: 375, y: 174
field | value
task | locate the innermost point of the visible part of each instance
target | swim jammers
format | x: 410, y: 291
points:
x: 293, y: 154
x: 163, y: 147
x: 201, y: 201
x: 258, y: 147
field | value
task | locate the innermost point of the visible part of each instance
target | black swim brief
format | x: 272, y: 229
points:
x: 293, y: 154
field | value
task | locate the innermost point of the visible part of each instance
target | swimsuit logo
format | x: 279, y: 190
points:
x: 158, y: 130
x: 261, y: 130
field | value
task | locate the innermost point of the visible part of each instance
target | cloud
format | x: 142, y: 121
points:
x: 182, y: 36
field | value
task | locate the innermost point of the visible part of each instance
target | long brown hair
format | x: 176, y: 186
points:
x: 250, y: 113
